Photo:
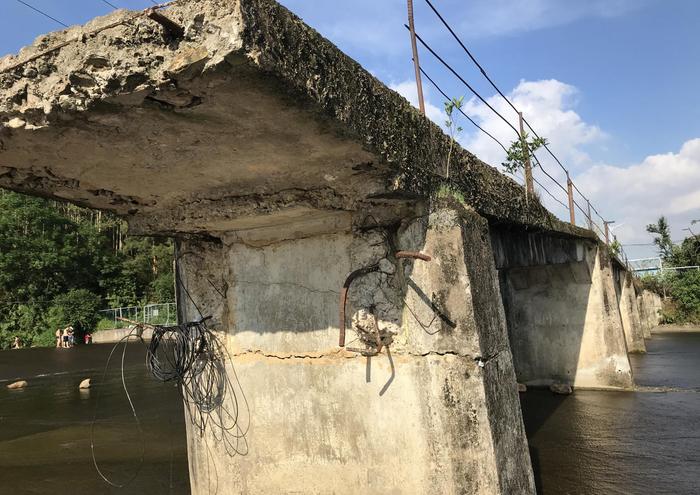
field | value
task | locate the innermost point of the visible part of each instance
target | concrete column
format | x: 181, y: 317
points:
x: 563, y: 319
x: 436, y: 411
x: 651, y: 305
x: 629, y: 311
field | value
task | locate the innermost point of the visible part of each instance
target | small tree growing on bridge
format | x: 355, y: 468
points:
x: 519, y: 152
x: 452, y: 128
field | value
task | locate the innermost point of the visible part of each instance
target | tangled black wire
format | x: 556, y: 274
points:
x: 193, y: 357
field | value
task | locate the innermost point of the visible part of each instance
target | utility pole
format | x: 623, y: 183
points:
x: 528, y: 167
x: 590, y: 218
x: 570, y: 191
x: 607, y: 230
x: 416, y: 64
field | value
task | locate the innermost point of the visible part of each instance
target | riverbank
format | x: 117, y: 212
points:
x: 689, y: 328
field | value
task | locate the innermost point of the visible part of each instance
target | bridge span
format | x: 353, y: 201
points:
x: 281, y: 166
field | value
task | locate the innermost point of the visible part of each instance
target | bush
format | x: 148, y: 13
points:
x: 685, y: 291
x: 77, y: 307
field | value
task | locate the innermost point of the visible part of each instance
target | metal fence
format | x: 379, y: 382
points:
x: 154, y: 314
x: 654, y: 266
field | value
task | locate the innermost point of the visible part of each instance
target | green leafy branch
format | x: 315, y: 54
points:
x: 452, y: 128
x: 520, y: 151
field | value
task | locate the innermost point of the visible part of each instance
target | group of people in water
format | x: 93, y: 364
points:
x: 66, y: 337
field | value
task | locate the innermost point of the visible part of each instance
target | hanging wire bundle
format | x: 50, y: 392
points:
x: 195, y: 359
x: 193, y: 356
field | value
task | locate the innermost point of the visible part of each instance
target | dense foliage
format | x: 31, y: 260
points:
x: 682, y: 285
x: 60, y: 264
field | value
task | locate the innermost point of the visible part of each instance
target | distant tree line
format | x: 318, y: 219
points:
x: 682, y: 286
x: 60, y: 264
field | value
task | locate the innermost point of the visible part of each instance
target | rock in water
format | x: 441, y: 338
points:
x: 522, y: 387
x: 19, y: 384
x: 561, y: 388
x: 85, y: 383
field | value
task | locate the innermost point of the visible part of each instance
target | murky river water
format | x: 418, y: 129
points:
x: 45, y: 428
x: 588, y: 443
x: 629, y: 443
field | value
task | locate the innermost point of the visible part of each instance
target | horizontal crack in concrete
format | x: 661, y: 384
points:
x: 338, y: 353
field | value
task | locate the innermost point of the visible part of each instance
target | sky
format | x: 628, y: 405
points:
x: 614, y: 86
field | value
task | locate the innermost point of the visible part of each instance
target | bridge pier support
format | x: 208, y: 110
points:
x: 563, y: 319
x: 630, y: 314
x: 650, y: 305
x: 435, y: 411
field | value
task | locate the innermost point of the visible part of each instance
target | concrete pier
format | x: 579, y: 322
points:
x: 563, y: 318
x: 434, y: 411
x: 630, y: 313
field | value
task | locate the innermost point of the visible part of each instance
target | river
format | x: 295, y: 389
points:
x: 588, y: 443
x: 645, y: 442
x: 45, y: 429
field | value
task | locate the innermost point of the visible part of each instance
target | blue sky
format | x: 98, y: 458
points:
x: 613, y: 84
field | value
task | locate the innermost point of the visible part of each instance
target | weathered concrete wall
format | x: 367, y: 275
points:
x: 650, y: 304
x: 563, y: 319
x: 423, y: 416
x: 630, y: 313
x: 115, y: 335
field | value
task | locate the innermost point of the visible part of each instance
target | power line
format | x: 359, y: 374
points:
x: 42, y: 13
x: 462, y: 112
x: 110, y: 4
x: 493, y: 84
x: 550, y: 194
x: 454, y: 35
x: 483, y: 72
x: 449, y: 67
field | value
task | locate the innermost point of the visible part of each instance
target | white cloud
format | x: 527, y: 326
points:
x: 483, y: 18
x: 665, y: 184
x: 548, y: 105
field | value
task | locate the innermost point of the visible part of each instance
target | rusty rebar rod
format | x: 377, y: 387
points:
x: 412, y: 254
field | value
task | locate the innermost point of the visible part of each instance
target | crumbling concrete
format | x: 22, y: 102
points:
x: 181, y: 129
x: 436, y: 411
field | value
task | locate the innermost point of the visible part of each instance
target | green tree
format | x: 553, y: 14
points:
x: 663, y: 239
x: 60, y: 263
x: 453, y: 129
x: 520, y: 151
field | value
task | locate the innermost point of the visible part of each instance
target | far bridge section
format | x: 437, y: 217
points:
x: 562, y: 309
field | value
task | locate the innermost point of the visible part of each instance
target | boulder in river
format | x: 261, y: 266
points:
x: 18, y: 384
x: 85, y: 383
x: 561, y: 388
x: 522, y: 387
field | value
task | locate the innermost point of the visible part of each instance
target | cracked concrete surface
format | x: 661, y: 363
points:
x: 188, y: 134
x: 437, y: 406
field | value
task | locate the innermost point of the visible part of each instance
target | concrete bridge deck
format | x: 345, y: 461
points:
x: 280, y: 165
